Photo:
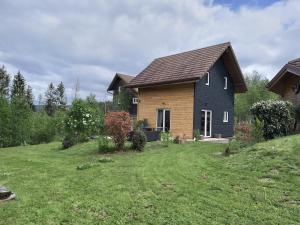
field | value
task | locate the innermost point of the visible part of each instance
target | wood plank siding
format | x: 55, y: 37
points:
x: 178, y: 98
x: 288, y: 94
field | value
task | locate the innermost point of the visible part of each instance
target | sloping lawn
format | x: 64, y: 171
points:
x: 181, y: 184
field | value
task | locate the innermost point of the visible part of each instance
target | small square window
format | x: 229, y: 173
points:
x: 225, y: 83
x: 206, y: 79
x: 135, y: 101
x: 225, y: 117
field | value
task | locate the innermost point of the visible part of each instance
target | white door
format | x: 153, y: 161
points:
x: 206, y: 121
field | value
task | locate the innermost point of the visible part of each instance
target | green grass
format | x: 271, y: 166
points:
x: 181, y: 184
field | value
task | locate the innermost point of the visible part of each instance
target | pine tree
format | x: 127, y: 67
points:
x: 18, y: 87
x: 51, y: 100
x: 61, y: 98
x: 5, y: 123
x: 29, y: 97
x: 4, y: 82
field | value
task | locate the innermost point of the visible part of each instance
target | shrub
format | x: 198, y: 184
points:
x: 139, y: 140
x: 68, y: 142
x: 165, y: 138
x: 257, y: 131
x: 80, y: 122
x: 176, y: 140
x: 276, y: 117
x: 196, y: 134
x: 243, y: 132
x: 103, y: 144
x: 117, y: 125
x: 43, y: 128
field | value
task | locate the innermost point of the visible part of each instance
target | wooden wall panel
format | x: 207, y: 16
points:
x: 178, y: 98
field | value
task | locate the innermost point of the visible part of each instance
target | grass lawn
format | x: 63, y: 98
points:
x: 181, y: 184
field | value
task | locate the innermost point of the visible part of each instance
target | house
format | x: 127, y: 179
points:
x: 190, y: 91
x: 286, y: 83
x: 121, y: 93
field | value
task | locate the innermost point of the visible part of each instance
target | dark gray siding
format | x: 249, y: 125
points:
x: 214, y: 97
x: 132, y: 94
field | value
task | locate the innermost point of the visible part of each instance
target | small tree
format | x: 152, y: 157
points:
x: 5, y: 123
x: 18, y: 86
x: 117, y: 125
x: 61, y: 98
x: 51, y: 100
x: 275, y: 117
x: 4, y: 82
x: 29, y: 97
x: 20, y: 122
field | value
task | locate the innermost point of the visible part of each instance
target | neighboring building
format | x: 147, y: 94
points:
x: 121, y: 93
x: 190, y: 91
x: 286, y: 83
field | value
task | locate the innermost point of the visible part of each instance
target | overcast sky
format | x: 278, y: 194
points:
x: 62, y: 40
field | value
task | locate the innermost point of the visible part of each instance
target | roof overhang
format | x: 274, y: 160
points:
x: 274, y: 84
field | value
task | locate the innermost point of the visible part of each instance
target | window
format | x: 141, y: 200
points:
x: 163, y: 120
x: 225, y: 84
x: 225, y: 117
x: 120, y: 89
x: 135, y: 101
x: 206, y: 79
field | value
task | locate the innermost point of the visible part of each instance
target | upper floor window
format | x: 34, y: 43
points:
x: 225, y: 117
x: 120, y: 88
x: 206, y: 79
x: 225, y: 83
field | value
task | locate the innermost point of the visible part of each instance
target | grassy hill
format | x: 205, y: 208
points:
x: 181, y: 184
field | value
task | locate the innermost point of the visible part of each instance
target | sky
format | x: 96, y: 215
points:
x: 91, y: 40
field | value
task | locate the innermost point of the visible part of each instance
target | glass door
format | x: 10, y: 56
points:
x: 163, y: 120
x: 206, y: 121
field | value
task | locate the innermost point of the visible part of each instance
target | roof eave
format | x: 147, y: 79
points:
x: 171, y: 82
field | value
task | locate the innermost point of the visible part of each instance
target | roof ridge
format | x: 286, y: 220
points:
x: 194, y: 50
x: 294, y: 60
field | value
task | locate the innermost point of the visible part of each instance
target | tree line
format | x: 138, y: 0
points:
x: 18, y: 119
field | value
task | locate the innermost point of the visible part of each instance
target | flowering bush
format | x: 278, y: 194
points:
x: 117, y: 125
x: 275, y: 116
x: 80, y: 122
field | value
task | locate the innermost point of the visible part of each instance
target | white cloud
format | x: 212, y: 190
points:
x: 62, y: 40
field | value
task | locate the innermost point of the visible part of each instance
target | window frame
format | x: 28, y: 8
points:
x: 135, y: 101
x: 225, y: 83
x: 163, y: 128
x: 207, y: 76
x: 225, y: 117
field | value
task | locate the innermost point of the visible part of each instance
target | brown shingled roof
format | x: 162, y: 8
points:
x: 189, y: 66
x: 124, y: 77
x: 291, y: 68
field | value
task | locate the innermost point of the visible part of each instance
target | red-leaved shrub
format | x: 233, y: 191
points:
x: 243, y: 131
x: 117, y: 125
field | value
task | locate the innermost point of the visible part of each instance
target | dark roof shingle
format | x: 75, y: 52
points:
x: 186, y: 66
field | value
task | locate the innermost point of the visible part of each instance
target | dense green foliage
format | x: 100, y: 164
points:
x: 43, y: 128
x: 5, y: 123
x: 4, y: 82
x: 257, y: 91
x: 276, y: 117
x: 81, y: 121
x: 182, y: 184
x: 139, y: 140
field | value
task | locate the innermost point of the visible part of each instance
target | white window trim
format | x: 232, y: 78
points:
x: 135, y: 101
x: 225, y: 117
x: 207, y: 83
x: 120, y: 89
x: 164, y: 119
x: 225, y: 84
